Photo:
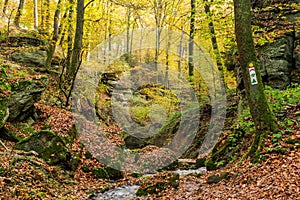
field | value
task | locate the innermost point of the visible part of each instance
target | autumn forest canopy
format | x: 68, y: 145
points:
x: 158, y: 99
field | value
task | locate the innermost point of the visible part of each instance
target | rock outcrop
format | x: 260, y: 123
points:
x: 278, y: 62
x: 35, y: 54
x: 48, y: 145
x: 24, y: 94
x: 277, y: 35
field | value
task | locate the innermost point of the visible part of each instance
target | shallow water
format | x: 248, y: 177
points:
x: 119, y: 193
x: 128, y: 192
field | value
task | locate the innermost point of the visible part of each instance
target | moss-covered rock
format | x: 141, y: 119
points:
x: 211, y: 165
x: 132, y: 142
x: 48, y: 145
x: 200, y: 162
x: 9, y: 135
x: 214, y: 178
x: 100, y: 172
x: 108, y: 173
x: 114, y: 174
x: 157, y: 184
x: 170, y: 128
x: 5, y: 92
x: 173, y: 166
x: 74, y: 162
x: 25, y: 92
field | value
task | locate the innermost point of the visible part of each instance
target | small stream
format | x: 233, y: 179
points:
x: 127, y: 192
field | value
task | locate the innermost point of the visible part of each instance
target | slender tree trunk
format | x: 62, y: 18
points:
x: 42, y: 21
x: 78, y: 37
x: 181, y: 52
x: 35, y: 14
x: 263, y: 117
x: 159, y: 21
x: 214, y: 40
x: 213, y: 34
x: 52, y: 45
x: 47, y: 16
x: 191, y: 40
x: 141, y: 44
x: 5, y: 7
x: 19, y: 13
x: 9, y: 17
x: 128, y: 30
x: 70, y: 39
x: 62, y: 28
x: 157, y: 47
x: 169, y: 36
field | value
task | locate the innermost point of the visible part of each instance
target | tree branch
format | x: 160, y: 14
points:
x: 88, y: 4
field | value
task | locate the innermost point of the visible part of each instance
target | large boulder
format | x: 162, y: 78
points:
x: 31, y: 58
x: 25, y: 92
x: 35, y: 53
x: 36, y: 57
x: 296, y: 75
x: 48, y: 145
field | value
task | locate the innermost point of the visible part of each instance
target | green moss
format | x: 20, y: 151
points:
x: 174, y: 165
x: 174, y: 180
x: 210, y: 165
x: 85, y: 168
x: 47, y: 144
x: 289, y: 140
x: 108, y: 173
x: 100, y: 172
x: 114, y: 174
x: 150, y: 187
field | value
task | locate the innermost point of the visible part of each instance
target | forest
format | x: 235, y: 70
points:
x: 158, y: 99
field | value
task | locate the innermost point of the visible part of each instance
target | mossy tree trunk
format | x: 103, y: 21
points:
x: 263, y: 117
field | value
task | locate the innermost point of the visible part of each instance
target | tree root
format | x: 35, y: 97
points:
x: 254, y: 149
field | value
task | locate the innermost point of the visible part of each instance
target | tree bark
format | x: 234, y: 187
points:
x: 263, y: 117
x: 213, y: 34
x: 191, y: 40
x: 78, y: 37
x: 5, y: 7
x: 52, y: 45
x: 35, y: 14
x: 70, y: 37
x: 19, y: 13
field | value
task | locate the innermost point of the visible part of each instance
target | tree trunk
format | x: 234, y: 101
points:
x: 191, y: 40
x: 5, y: 7
x: 35, y: 14
x: 47, y: 16
x: 52, y: 45
x: 78, y: 37
x: 264, y: 119
x: 213, y: 34
x: 181, y: 53
x: 128, y: 30
x: 213, y: 38
x: 70, y: 39
x: 169, y: 36
x: 19, y: 13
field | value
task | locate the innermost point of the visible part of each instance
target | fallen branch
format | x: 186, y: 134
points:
x: 7, y: 149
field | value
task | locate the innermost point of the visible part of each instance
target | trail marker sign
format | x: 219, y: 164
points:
x: 253, y: 77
